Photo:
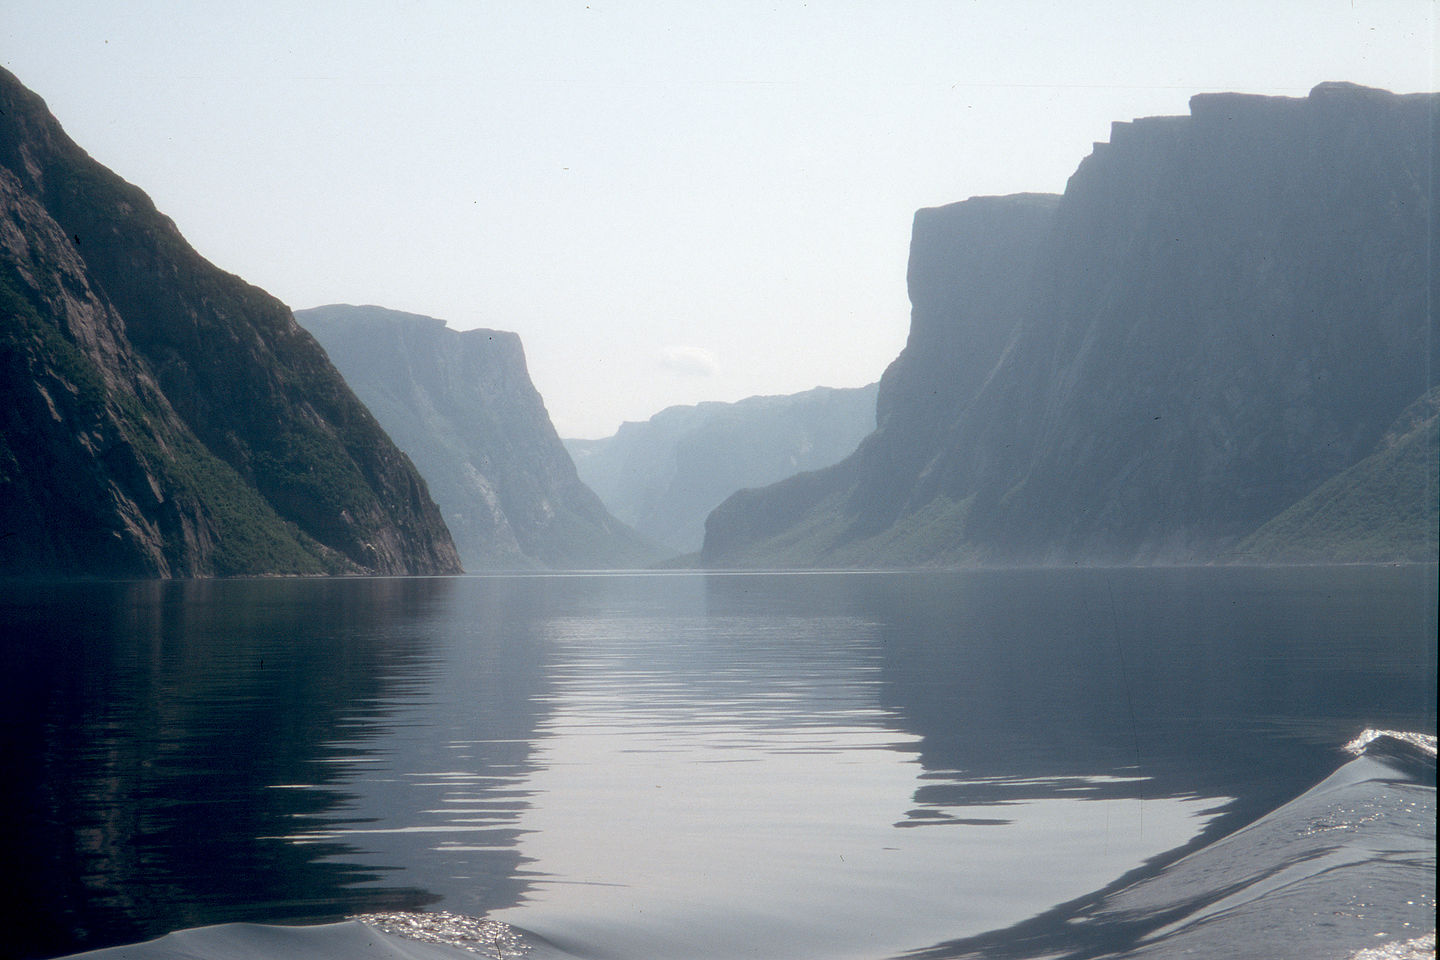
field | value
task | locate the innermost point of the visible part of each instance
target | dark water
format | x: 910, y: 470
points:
x: 693, y: 765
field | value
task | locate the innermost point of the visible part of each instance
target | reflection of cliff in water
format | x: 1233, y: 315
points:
x: 161, y: 739
x: 439, y: 792
x: 1135, y: 682
x: 1344, y: 869
x: 1148, y: 684
x: 1208, y: 682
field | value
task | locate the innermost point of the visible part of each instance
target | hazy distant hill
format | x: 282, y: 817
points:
x: 1223, y: 312
x: 461, y: 404
x: 160, y: 417
x: 665, y: 475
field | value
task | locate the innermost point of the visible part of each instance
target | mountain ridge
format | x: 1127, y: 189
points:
x: 192, y: 427
x: 1223, y: 311
x: 462, y: 405
x: 664, y: 475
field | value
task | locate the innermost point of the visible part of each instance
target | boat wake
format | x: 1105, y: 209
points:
x: 386, y: 936
x: 1421, y: 742
x: 1346, y: 870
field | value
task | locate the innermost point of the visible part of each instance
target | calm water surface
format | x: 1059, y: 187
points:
x: 671, y: 765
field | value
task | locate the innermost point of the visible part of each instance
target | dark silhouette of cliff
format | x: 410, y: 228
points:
x: 160, y: 417
x: 1221, y: 313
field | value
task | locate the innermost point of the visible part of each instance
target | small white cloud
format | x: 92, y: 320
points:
x: 689, y: 361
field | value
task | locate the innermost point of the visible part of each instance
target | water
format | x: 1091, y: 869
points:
x: 672, y: 765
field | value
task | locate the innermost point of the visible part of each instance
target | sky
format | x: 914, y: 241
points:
x: 670, y: 202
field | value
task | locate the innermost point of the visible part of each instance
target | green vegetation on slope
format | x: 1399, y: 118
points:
x: 248, y: 537
x: 238, y: 381
x: 1384, y: 508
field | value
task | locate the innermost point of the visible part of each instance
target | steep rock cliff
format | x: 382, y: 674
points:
x: 162, y: 417
x: 968, y: 278
x: 1224, y: 311
x: 461, y: 404
x: 663, y: 476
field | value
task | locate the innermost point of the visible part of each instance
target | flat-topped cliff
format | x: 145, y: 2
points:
x: 462, y: 405
x: 1221, y: 313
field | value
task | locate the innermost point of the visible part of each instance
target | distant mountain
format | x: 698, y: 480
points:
x: 665, y: 475
x: 162, y: 418
x: 1223, y: 312
x: 461, y: 404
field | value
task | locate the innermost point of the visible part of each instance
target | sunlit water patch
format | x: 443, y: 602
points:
x: 682, y: 765
x: 689, y: 799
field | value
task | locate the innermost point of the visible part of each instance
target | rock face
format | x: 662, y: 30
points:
x: 1381, y: 509
x: 665, y: 475
x: 160, y: 417
x: 1223, y: 312
x: 461, y: 404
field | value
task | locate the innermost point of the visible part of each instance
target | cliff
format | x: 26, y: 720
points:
x: 1381, y: 509
x: 162, y: 417
x: 1221, y: 313
x: 461, y: 404
x: 663, y: 476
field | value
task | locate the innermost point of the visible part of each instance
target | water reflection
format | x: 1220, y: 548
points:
x: 785, y: 765
x: 1167, y: 682
x: 724, y: 762
x: 1030, y: 686
x: 146, y: 726
x: 438, y: 791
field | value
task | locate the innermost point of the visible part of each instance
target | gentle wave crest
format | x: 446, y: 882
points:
x: 1420, y: 948
x: 1424, y: 742
x: 487, y: 938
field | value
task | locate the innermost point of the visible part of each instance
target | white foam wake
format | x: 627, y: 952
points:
x: 1421, y: 948
x: 1425, y: 742
x: 488, y: 938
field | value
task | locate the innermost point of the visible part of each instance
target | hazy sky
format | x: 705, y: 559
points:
x: 670, y: 202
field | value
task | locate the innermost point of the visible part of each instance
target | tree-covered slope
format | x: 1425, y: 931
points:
x: 1384, y: 508
x: 163, y: 417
